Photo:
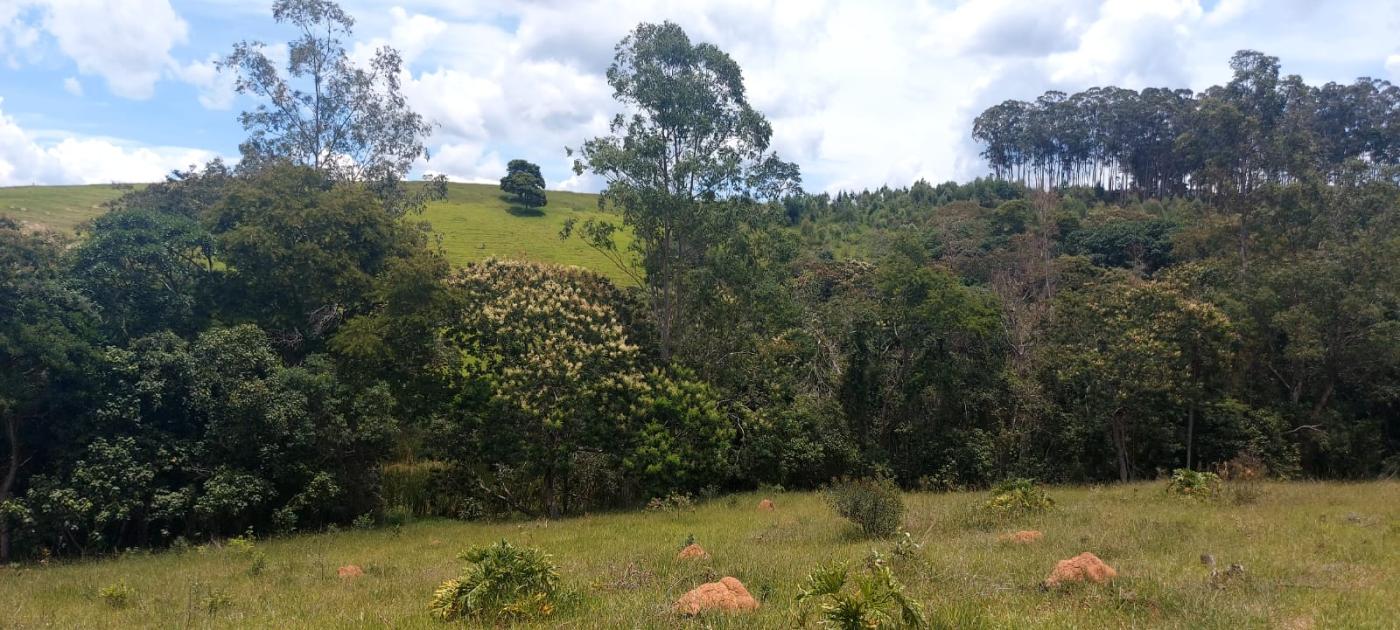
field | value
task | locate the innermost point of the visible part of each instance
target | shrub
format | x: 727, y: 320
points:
x: 116, y: 595
x: 872, y: 504
x: 1018, y: 497
x: 876, y: 601
x: 675, y: 502
x: 1194, y: 483
x: 505, y: 582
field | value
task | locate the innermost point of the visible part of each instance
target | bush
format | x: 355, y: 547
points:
x: 1194, y: 483
x: 505, y: 582
x: 876, y: 601
x: 1018, y: 497
x: 872, y: 504
x: 117, y: 595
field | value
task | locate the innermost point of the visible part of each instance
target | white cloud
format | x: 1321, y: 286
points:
x: 24, y: 159
x: 126, y: 42
x: 860, y: 94
x: 216, y: 89
x: 73, y: 86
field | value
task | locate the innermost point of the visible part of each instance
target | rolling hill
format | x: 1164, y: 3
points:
x: 475, y: 222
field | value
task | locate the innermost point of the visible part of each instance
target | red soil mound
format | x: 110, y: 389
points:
x: 728, y: 595
x: 766, y: 505
x: 350, y: 571
x: 1085, y: 567
x: 1021, y: 537
x: 692, y: 551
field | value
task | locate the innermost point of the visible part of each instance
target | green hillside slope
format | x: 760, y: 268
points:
x: 475, y: 222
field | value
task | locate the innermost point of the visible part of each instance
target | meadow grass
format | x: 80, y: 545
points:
x: 1316, y: 555
x: 474, y: 222
x: 58, y: 207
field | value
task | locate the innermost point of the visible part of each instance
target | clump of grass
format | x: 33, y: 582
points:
x: 1196, y: 484
x: 504, y: 583
x: 874, y: 505
x: 1018, y: 497
x: 875, y: 599
x: 117, y: 595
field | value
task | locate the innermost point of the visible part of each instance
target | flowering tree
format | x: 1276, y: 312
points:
x: 565, y: 383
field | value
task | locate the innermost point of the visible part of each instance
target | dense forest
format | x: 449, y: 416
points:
x: 1147, y: 281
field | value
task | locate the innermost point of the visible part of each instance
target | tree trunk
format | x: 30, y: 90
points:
x: 1120, y: 444
x: 1190, y: 433
x: 8, y: 484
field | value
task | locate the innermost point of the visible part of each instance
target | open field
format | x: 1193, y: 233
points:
x: 474, y: 221
x: 1316, y: 555
x: 59, y: 207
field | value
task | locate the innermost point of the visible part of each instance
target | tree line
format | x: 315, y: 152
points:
x: 1260, y: 128
x: 247, y: 347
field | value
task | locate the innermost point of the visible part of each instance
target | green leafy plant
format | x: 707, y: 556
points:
x: 873, y: 504
x: 1018, y: 497
x: 117, y: 595
x: 504, y: 582
x: 870, y: 599
x: 1195, y: 484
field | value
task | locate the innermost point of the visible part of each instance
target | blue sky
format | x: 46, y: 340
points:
x: 860, y: 93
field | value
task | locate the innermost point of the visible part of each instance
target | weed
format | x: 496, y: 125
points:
x: 1018, y: 497
x: 117, y: 595
x: 1195, y: 484
x: 504, y: 582
x: 876, y: 599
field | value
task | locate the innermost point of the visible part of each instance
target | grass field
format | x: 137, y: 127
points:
x: 474, y: 221
x: 59, y: 207
x: 1316, y: 555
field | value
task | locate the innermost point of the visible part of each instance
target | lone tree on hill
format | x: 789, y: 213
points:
x: 524, y: 182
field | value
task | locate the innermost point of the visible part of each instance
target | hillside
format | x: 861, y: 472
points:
x: 474, y: 221
x: 1313, y: 555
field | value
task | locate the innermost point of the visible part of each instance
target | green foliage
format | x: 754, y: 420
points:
x: 1018, y: 497
x: 524, y: 183
x: 564, y: 400
x: 503, y: 583
x: 874, y: 504
x: 325, y: 112
x: 872, y: 598
x: 117, y: 594
x: 303, y: 253
x: 146, y: 270
x: 1195, y: 484
x: 679, y: 168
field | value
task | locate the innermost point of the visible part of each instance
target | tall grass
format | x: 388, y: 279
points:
x: 1314, y: 555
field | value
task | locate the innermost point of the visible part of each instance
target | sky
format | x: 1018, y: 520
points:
x: 860, y: 93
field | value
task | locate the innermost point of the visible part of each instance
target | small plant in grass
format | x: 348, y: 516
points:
x: 869, y: 599
x: 905, y: 547
x: 1243, y: 476
x: 241, y: 545
x: 258, y: 563
x: 1195, y: 484
x: 215, y: 600
x: 503, y: 583
x: 873, y: 504
x: 364, y: 521
x: 116, y: 595
x: 675, y: 502
x: 1018, y: 497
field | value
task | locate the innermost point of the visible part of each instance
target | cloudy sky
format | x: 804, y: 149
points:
x: 860, y: 93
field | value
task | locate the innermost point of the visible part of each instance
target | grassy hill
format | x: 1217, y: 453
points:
x: 475, y: 222
x: 1314, y: 555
